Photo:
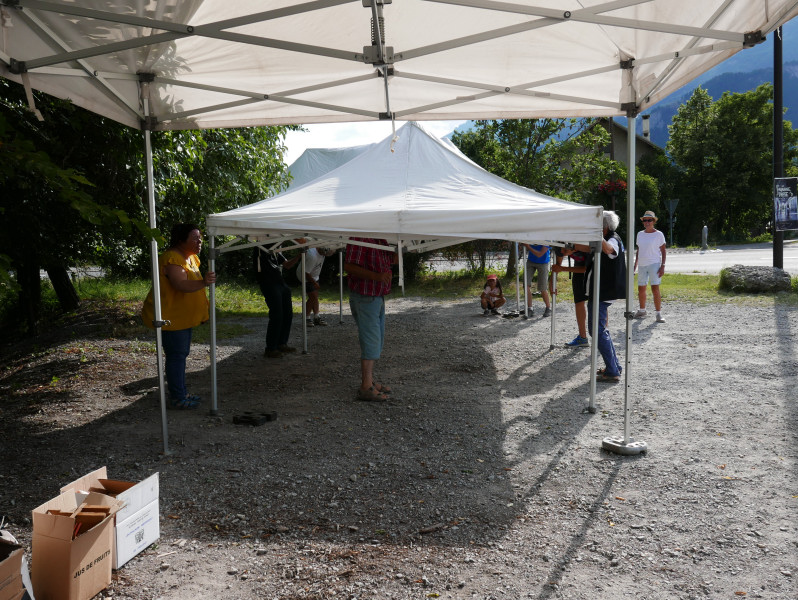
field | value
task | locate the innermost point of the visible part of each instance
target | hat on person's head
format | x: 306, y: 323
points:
x: 649, y: 214
x: 493, y: 277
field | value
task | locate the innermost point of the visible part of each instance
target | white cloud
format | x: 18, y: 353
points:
x: 342, y: 135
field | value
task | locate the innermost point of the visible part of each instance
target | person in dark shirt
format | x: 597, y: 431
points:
x: 268, y: 268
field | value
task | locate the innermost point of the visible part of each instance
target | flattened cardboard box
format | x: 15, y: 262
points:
x: 11, y: 588
x: 63, y: 568
x: 10, y: 562
x: 137, y: 522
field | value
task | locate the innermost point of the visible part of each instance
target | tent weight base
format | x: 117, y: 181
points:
x: 617, y: 445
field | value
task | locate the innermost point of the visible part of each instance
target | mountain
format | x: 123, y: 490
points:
x: 736, y: 82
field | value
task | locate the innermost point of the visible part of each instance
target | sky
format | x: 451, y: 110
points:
x: 342, y: 135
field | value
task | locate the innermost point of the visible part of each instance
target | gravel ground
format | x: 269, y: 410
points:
x: 483, y: 477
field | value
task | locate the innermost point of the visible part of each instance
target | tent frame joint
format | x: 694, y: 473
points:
x: 149, y: 123
x: 145, y: 77
x: 631, y: 109
x: 386, y: 116
x: 753, y: 38
x: 627, y: 64
x: 17, y: 67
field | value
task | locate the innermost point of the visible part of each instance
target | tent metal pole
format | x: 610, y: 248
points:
x: 340, y: 285
x: 302, y: 281
x: 627, y: 445
x: 212, y: 295
x: 156, y: 273
x: 517, y: 281
x: 401, y: 266
x: 527, y: 296
x: 553, y: 302
x: 594, y: 310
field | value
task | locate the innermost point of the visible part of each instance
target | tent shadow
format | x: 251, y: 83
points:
x: 451, y: 461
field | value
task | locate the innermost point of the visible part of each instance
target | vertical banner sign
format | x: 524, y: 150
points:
x: 785, y: 203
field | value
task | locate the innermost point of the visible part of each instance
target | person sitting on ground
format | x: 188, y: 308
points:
x: 537, y: 261
x: 314, y: 260
x: 650, y: 264
x: 184, y: 305
x: 577, y: 265
x: 492, y: 297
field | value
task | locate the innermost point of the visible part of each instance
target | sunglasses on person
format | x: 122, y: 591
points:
x: 647, y: 220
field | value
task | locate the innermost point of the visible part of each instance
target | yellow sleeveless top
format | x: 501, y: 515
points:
x: 184, y: 310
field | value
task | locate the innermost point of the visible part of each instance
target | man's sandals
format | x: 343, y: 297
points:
x: 376, y: 393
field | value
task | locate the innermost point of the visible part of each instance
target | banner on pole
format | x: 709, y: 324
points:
x: 785, y: 203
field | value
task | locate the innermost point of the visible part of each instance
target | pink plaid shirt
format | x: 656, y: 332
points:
x: 372, y: 259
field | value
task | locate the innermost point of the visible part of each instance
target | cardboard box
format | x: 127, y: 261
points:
x: 67, y: 565
x: 137, y: 522
x: 10, y: 562
x: 11, y: 588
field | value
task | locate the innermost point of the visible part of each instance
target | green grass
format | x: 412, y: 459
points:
x: 235, y: 300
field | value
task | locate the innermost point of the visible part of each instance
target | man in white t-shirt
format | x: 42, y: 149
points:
x: 650, y: 264
x: 314, y: 259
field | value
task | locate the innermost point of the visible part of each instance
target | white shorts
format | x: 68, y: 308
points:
x: 648, y: 274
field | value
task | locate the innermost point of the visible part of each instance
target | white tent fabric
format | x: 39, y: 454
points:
x: 415, y: 189
x: 215, y: 63
x: 315, y: 162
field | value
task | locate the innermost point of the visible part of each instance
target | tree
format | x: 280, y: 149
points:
x: 74, y: 190
x: 558, y: 157
x: 724, y: 152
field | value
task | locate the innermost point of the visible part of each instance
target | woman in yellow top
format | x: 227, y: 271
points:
x: 183, y: 305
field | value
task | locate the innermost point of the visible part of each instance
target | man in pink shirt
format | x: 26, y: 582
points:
x: 369, y: 270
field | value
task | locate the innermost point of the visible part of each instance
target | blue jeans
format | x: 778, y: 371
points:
x: 369, y: 314
x: 605, y: 345
x: 281, y: 313
x: 176, y: 346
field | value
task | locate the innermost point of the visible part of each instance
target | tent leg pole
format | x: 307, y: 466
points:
x: 340, y: 286
x: 156, y: 276
x: 627, y: 445
x: 302, y: 281
x: 527, y: 297
x: 401, y: 267
x: 212, y: 293
x: 553, y: 295
x: 517, y: 281
x: 594, y: 311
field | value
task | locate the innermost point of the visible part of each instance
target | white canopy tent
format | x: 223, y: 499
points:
x: 414, y: 190
x: 186, y: 64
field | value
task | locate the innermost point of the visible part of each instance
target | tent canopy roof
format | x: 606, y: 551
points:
x: 215, y: 63
x: 416, y: 189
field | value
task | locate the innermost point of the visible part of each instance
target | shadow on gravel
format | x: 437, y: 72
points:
x: 455, y: 459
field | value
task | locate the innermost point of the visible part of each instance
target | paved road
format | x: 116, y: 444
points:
x: 713, y: 260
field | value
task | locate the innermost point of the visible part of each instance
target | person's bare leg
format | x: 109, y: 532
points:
x: 580, y: 308
x: 366, y: 373
x: 313, y: 303
x: 545, y: 295
x: 657, y: 297
x: 641, y: 296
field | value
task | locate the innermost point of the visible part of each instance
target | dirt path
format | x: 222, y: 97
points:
x: 483, y: 478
